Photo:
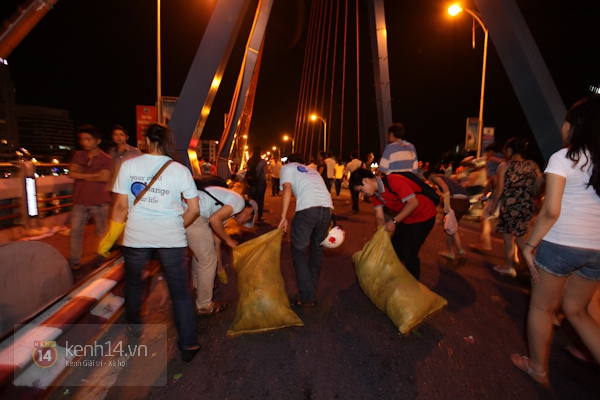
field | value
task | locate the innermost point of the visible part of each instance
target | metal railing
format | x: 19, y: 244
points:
x: 54, y: 192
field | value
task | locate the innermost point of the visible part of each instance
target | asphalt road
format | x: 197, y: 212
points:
x: 348, y: 349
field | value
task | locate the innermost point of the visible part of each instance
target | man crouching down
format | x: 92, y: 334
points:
x: 217, y: 205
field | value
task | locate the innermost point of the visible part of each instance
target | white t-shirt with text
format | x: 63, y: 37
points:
x: 156, y: 221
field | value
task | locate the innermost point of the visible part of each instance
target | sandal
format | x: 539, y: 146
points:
x: 462, y: 252
x: 214, y: 309
x: 506, y: 271
x: 447, y: 255
x: 301, y: 303
x: 522, y: 363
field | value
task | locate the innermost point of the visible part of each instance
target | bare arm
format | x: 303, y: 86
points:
x: 379, y: 217
x: 555, y: 187
x: 285, y: 204
x: 411, y: 205
x: 120, y: 209
x: 216, y: 223
x: 192, y: 212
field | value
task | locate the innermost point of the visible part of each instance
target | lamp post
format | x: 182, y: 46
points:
x: 158, y: 67
x: 286, y: 138
x: 275, y: 149
x: 453, y: 10
x: 314, y: 117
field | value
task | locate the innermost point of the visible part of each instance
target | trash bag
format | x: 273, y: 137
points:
x: 263, y: 304
x: 389, y: 285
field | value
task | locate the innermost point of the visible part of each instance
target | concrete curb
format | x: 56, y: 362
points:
x: 91, y: 301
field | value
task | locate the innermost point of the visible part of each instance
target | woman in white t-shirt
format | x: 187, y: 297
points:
x: 156, y: 223
x: 563, y: 250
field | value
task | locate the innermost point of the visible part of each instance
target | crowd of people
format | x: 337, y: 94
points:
x: 147, y: 189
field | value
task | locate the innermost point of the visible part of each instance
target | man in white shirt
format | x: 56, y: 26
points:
x: 309, y: 225
x: 217, y: 205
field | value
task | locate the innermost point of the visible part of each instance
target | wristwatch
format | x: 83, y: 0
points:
x: 394, y: 221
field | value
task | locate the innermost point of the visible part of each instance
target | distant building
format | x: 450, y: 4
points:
x: 9, y: 136
x: 46, y: 132
x: 208, y: 149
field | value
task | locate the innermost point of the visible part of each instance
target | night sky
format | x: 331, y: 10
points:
x: 97, y: 59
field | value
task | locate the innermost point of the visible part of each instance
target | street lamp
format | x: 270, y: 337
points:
x: 286, y: 137
x: 158, y: 67
x: 314, y: 117
x: 454, y: 10
x: 276, y: 150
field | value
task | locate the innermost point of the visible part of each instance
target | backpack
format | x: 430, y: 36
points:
x: 204, y: 181
x: 426, y: 190
x: 251, y: 174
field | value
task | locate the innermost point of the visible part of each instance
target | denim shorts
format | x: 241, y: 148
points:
x: 562, y: 260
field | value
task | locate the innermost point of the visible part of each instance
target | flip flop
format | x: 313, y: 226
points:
x: 522, y: 363
x: 301, y: 303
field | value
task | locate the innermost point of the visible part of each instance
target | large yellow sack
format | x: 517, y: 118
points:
x: 389, y: 285
x: 263, y: 303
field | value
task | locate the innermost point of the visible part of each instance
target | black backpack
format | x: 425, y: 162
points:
x: 251, y: 174
x: 426, y: 190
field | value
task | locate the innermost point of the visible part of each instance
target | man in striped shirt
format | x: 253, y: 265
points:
x: 398, y: 155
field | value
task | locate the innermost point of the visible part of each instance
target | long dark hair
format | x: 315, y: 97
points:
x: 164, y: 139
x: 584, y: 136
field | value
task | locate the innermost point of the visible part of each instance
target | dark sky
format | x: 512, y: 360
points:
x: 97, y: 59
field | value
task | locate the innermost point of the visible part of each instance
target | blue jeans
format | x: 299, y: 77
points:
x: 407, y: 242
x: 80, y: 215
x: 175, y: 265
x: 309, y: 227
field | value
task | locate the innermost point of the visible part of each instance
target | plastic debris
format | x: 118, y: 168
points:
x: 469, y: 339
x: 66, y: 392
x: 416, y: 332
x: 177, y: 376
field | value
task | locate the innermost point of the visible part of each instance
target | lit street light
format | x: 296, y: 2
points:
x: 286, y: 138
x: 454, y: 10
x: 158, y: 67
x: 314, y: 117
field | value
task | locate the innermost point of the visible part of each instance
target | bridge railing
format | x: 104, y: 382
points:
x: 53, y: 193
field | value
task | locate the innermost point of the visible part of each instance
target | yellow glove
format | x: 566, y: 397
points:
x: 114, y: 231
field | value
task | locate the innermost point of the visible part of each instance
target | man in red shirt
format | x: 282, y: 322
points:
x: 91, y: 169
x: 412, y: 213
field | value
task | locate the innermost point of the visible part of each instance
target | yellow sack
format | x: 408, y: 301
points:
x: 263, y: 303
x: 389, y: 285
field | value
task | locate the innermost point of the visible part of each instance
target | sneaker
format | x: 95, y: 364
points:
x: 506, y: 271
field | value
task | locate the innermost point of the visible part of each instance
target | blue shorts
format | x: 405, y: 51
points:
x: 562, y: 260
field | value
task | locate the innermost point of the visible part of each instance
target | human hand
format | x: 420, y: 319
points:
x: 283, y: 224
x: 231, y: 243
x: 390, y: 226
x: 528, y: 256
